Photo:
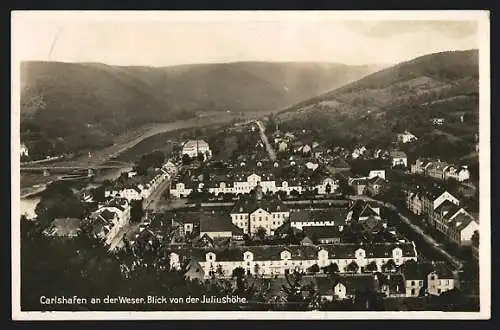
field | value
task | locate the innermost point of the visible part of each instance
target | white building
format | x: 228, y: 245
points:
x: 278, y: 260
x: 440, y: 280
x: 194, y: 147
x: 180, y: 190
x: 111, y: 217
x: 24, y: 150
x: 406, y: 137
x: 250, y: 215
x: 319, y: 218
x: 327, y: 185
x: 461, y: 174
x: 376, y: 173
x: 132, y: 193
x: 398, y: 158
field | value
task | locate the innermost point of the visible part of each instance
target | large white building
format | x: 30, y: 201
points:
x: 194, y: 147
x: 253, y: 213
x: 240, y: 184
x: 278, y: 260
x: 455, y: 223
x: 139, y: 191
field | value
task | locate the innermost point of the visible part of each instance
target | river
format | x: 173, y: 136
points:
x: 125, y: 142
x: 29, y: 202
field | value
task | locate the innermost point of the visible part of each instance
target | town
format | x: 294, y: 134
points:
x: 289, y: 221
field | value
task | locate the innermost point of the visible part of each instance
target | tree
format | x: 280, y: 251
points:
x: 294, y: 193
x: 371, y: 267
x: 238, y: 272
x: 314, y: 269
x: 352, y: 267
x: 261, y: 233
x: 256, y: 269
x: 136, y: 211
x: 59, y: 201
x: 299, y: 296
x: 475, y: 238
x: 389, y: 266
x: 201, y: 157
x: 328, y: 188
x: 219, y: 270
x: 98, y: 194
x: 332, y: 268
x: 282, y: 194
x: 186, y: 160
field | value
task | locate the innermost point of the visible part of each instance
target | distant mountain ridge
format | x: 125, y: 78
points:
x: 402, y: 97
x: 69, y: 106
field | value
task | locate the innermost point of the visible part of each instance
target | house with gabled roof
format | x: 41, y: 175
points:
x: 361, y: 210
x: 375, y: 185
x: 218, y: 225
x: 277, y: 260
x: 319, y: 218
x: 390, y: 284
x: 440, y: 279
x: 461, y: 229
x: 322, y: 235
x: 253, y: 212
x: 425, y: 200
x: 398, y: 158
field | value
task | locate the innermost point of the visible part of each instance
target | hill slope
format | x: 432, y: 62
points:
x: 68, y: 106
x: 403, y: 97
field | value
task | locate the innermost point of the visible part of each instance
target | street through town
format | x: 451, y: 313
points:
x: 428, y: 239
x: 269, y: 148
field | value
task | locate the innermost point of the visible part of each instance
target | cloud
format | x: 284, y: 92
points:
x: 382, y: 29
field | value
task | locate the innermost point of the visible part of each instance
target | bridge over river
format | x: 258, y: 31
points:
x: 91, y: 169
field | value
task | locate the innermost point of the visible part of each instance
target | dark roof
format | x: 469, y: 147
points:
x: 355, y: 283
x: 395, y: 282
x: 447, y: 206
x: 442, y: 270
x: 362, y: 209
x: 376, y: 180
x: 249, y: 204
x: 460, y: 222
x: 107, y: 214
x: 320, y: 232
x: 184, y: 217
x: 430, y: 192
x: 324, y: 285
x: 334, y: 214
x: 420, y: 270
x: 217, y: 223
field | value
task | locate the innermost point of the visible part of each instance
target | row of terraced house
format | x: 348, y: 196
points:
x: 440, y: 170
x: 443, y: 211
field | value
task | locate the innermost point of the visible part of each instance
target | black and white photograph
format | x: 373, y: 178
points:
x: 250, y: 165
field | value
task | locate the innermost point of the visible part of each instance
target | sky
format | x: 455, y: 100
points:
x: 167, y: 38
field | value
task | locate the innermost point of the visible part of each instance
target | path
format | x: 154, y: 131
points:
x: 151, y: 203
x: 269, y: 148
x: 431, y: 241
